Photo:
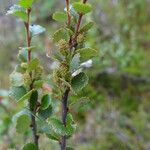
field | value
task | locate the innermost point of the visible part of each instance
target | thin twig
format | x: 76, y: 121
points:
x: 78, y: 23
x: 68, y: 12
x: 64, y: 115
x: 28, y: 40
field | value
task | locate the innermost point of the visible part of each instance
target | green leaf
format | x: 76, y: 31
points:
x: 82, y: 8
x: 70, y: 32
x: 44, y: 114
x: 25, y: 3
x: 26, y: 96
x: 16, y: 79
x: 19, y: 69
x: 86, y: 53
x: 60, y: 16
x: 86, y: 27
x: 57, y: 126
x: 23, y: 123
x: 36, y: 30
x: 52, y: 137
x: 69, y: 129
x: 60, y: 129
x: 79, y: 82
x: 18, y: 114
x: 37, y: 84
x: 69, y: 119
x: 29, y: 146
x: 46, y: 129
x: 17, y: 11
x: 45, y: 102
x: 17, y: 92
x: 33, y: 64
x: 74, y: 64
x: 23, y: 55
x: 62, y: 33
x: 33, y: 98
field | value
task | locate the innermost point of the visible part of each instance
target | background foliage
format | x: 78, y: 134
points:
x: 116, y: 115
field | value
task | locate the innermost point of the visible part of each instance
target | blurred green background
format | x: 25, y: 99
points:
x: 117, y: 114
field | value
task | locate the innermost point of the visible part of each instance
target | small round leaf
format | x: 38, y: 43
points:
x: 45, y: 102
x: 29, y: 146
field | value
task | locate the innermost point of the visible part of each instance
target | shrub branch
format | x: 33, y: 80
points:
x: 33, y: 110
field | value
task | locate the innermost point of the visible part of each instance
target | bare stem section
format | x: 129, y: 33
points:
x: 64, y: 115
x: 68, y: 12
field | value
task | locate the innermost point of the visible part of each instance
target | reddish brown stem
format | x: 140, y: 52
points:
x: 78, y: 23
x: 68, y: 12
x: 28, y: 38
x: 33, y: 111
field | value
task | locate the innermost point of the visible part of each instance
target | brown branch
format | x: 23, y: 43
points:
x: 28, y: 38
x: 34, y: 129
x: 64, y: 116
x: 72, y: 43
x: 78, y: 24
x: 33, y: 111
x: 68, y: 12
